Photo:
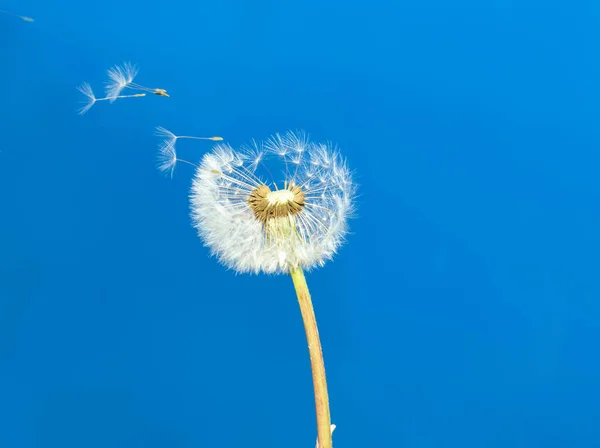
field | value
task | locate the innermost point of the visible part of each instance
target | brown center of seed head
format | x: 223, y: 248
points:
x: 267, y: 204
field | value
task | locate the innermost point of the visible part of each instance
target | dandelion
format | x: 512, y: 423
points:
x: 122, y: 77
x: 87, y: 91
x: 254, y: 222
x: 24, y: 18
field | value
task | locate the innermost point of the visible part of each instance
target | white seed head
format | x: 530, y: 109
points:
x: 254, y: 222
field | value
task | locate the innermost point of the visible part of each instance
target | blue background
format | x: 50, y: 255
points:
x: 463, y: 311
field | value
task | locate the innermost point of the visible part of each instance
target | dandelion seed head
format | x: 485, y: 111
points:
x: 259, y: 209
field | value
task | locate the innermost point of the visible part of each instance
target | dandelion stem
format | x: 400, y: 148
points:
x: 316, y: 358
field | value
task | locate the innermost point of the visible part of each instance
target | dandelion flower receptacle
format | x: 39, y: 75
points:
x: 278, y: 207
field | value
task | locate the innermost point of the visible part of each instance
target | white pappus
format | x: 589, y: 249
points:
x: 253, y: 222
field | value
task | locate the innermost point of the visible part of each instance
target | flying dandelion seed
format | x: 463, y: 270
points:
x: 121, y: 77
x: 167, y: 156
x: 170, y: 138
x: 87, y: 91
x: 24, y: 18
x: 253, y: 222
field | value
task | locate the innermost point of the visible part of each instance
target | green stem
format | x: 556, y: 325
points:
x: 316, y: 358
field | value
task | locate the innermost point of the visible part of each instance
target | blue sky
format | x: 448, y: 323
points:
x: 463, y: 310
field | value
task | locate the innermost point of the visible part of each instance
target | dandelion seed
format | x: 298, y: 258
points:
x: 169, y: 136
x: 87, y: 91
x: 122, y: 77
x: 167, y: 156
x: 24, y: 18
